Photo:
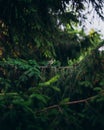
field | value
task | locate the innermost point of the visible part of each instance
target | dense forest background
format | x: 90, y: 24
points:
x: 51, y: 72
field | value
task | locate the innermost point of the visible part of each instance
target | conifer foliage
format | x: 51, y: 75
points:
x: 35, y: 95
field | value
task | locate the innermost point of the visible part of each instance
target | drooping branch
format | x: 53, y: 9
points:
x: 57, y: 106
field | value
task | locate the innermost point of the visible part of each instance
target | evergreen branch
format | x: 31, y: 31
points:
x: 70, y: 103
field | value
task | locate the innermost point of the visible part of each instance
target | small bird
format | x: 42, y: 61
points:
x: 50, y: 62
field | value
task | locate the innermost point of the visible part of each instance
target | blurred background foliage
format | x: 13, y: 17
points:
x: 51, y: 72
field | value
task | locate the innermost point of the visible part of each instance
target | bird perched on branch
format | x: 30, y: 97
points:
x: 50, y: 62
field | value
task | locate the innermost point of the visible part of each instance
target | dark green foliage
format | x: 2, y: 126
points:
x: 49, y: 97
x: 32, y: 25
x: 18, y: 73
x: 75, y: 43
x: 73, y: 99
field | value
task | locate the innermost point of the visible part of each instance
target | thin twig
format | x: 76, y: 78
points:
x: 69, y: 103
